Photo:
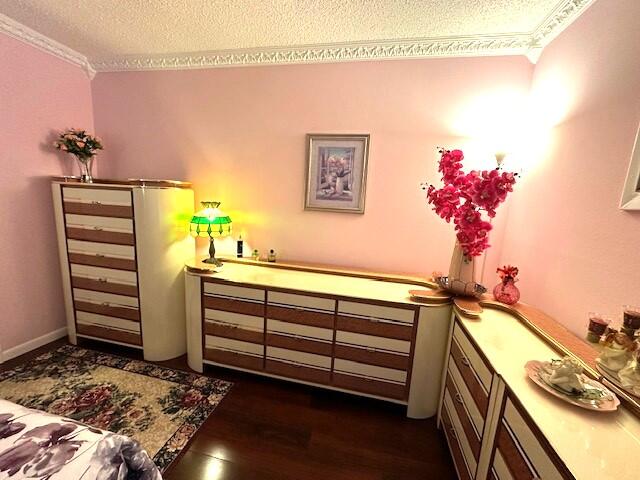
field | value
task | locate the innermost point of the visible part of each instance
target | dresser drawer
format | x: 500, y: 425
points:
x: 476, y: 414
x: 520, y: 447
x: 226, y: 330
x: 376, y: 312
x: 110, y: 224
x: 473, y: 436
x: 108, y: 274
x: 295, y: 329
x: 98, y: 209
x: 372, y: 371
x: 371, y: 356
x: 105, y: 249
x: 97, y: 196
x: 250, y: 322
x: 241, y: 293
x: 469, y: 355
x: 375, y: 327
x: 103, y: 297
x: 301, y: 316
x: 469, y: 459
x: 298, y: 371
x: 234, y: 305
x: 99, y: 260
x: 307, y: 302
x: 454, y: 445
x: 100, y: 235
x: 97, y: 331
x: 303, y: 358
x: 358, y: 383
x: 236, y: 359
x: 106, y: 308
x: 233, y: 345
x: 300, y: 344
x: 374, y: 342
x: 88, y: 318
x: 104, y: 285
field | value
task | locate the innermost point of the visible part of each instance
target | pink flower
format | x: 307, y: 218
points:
x: 465, y: 196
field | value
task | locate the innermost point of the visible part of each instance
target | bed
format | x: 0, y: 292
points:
x: 38, y: 445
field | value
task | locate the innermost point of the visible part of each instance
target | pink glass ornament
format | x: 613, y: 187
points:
x: 506, y: 292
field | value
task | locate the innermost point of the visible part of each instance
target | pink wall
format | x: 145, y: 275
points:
x: 39, y: 93
x: 577, y: 251
x: 239, y: 135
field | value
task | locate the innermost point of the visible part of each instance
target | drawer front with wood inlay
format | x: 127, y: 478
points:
x: 372, y: 356
x: 105, y: 249
x: 227, y: 330
x: 374, y: 342
x: 463, y: 441
x: 372, y: 371
x: 80, y: 294
x: 473, y: 437
x: 106, y: 308
x: 100, y: 235
x: 234, y: 345
x: 296, y: 329
x: 107, y: 321
x: 454, y: 445
x: 97, y: 196
x: 233, y: 358
x: 298, y: 371
x: 294, y: 356
x: 98, y: 209
x: 104, y: 285
x: 97, y: 331
x: 476, y: 413
x: 298, y: 343
x: 250, y: 322
x: 522, y: 448
x: 369, y: 385
x: 374, y: 326
x: 232, y: 291
x: 109, y: 274
x: 99, y: 223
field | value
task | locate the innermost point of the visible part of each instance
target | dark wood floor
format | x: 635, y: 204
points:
x: 267, y: 429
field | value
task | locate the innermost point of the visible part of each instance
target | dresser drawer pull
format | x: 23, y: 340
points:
x: 374, y: 319
x: 370, y: 349
x: 453, y: 432
x: 99, y: 229
x: 103, y: 280
x: 465, y: 361
x: 105, y: 304
x: 459, y: 399
x: 298, y: 309
x: 99, y: 255
x: 96, y: 202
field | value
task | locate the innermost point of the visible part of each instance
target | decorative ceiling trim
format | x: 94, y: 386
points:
x: 22, y: 32
x: 338, y: 52
x: 530, y: 44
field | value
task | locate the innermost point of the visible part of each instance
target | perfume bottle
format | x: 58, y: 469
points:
x: 239, y: 249
x: 272, y: 256
x: 255, y: 255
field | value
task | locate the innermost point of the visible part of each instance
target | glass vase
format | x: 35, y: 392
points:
x: 506, y: 292
x: 86, y: 168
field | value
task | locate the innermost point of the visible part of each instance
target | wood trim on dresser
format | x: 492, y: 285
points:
x: 74, y: 280
x: 300, y: 316
x: 373, y: 357
x: 233, y: 305
x: 299, y: 344
x: 414, y: 333
x: 100, y: 236
x: 233, y: 332
x: 127, y: 313
x: 134, y: 182
x: 104, y: 286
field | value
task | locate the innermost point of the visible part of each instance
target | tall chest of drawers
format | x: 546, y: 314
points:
x: 356, y: 335
x: 122, y: 247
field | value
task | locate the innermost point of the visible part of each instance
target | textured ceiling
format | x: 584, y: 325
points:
x: 103, y: 29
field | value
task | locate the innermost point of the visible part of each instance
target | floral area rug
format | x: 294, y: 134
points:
x: 159, y: 407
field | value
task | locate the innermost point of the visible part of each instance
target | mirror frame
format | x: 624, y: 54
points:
x: 631, y: 194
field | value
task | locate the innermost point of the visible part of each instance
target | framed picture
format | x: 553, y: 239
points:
x: 631, y: 192
x: 336, y: 172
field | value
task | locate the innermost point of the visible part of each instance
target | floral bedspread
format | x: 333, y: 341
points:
x: 38, y: 445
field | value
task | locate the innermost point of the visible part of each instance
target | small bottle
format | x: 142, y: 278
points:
x: 255, y: 255
x: 239, y: 250
x: 272, y: 256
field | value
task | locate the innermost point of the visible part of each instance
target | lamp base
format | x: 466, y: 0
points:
x: 213, y: 261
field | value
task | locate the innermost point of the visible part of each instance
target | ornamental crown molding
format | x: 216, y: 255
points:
x: 21, y: 32
x: 529, y: 44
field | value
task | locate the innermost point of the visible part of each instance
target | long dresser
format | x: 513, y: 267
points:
x: 501, y: 426
x: 344, y: 332
x: 122, y: 247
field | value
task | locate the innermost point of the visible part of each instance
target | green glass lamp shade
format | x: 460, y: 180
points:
x: 210, y: 221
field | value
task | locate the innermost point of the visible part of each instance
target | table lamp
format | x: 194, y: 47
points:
x: 211, y: 222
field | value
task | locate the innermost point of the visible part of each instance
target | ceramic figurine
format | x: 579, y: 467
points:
x: 566, y: 374
x: 617, y: 351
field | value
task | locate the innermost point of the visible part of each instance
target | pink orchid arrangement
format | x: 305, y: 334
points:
x: 465, y: 195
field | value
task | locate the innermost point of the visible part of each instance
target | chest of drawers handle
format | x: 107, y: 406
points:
x: 453, y: 432
x: 99, y: 255
x: 370, y: 350
x: 459, y: 399
x: 96, y: 202
x: 374, y: 319
x: 97, y: 228
x: 105, y: 304
x: 465, y: 361
x: 103, y: 280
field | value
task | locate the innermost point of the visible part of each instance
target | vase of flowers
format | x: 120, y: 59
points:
x: 463, y: 199
x: 83, y: 147
x: 506, y: 291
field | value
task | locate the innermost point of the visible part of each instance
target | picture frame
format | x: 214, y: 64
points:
x: 631, y: 191
x: 336, y: 174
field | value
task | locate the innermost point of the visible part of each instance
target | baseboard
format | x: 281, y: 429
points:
x: 32, y: 344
